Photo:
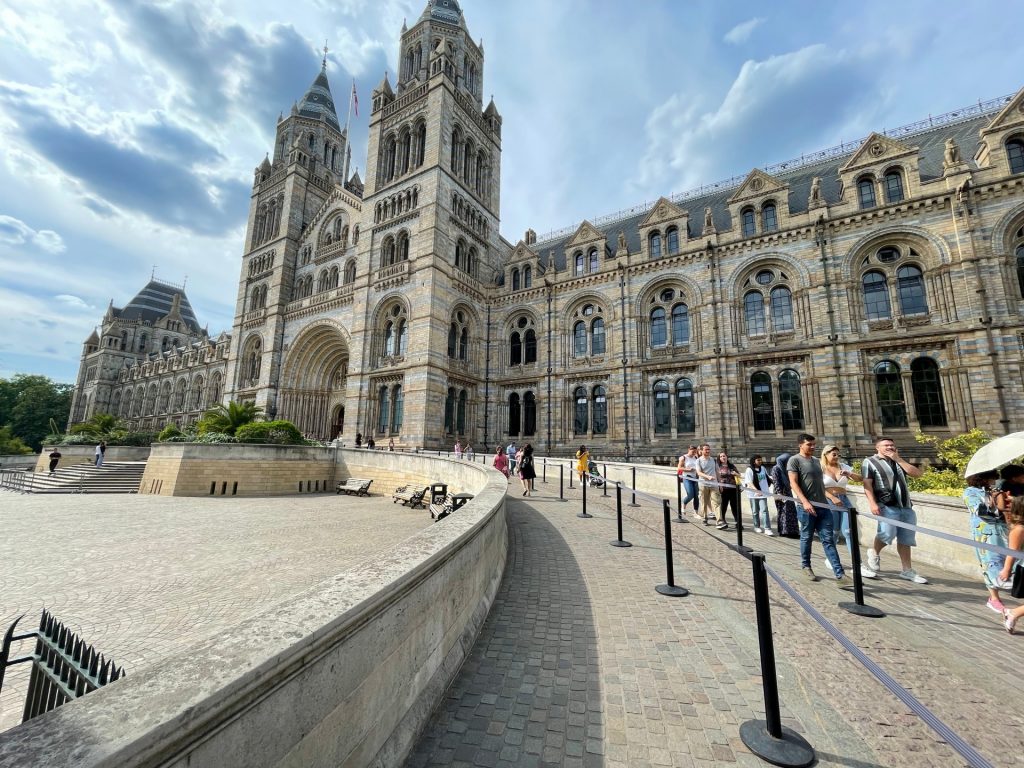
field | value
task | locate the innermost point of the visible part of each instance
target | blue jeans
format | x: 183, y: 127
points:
x: 822, y: 523
x: 759, y: 511
x: 841, y: 519
x: 691, y: 494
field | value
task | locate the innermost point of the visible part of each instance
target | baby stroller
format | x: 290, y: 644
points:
x: 593, y: 477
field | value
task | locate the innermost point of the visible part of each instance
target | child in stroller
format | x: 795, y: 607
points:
x: 593, y: 476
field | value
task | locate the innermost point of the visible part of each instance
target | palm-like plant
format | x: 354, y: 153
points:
x: 228, y: 418
x: 99, y: 425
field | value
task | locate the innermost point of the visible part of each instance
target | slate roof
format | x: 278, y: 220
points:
x: 930, y: 141
x: 318, y: 102
x: 154, y: 302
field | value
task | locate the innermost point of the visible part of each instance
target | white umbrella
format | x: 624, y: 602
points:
x: 1000, y: 451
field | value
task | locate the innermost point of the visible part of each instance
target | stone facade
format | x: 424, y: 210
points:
x: 872, y: 287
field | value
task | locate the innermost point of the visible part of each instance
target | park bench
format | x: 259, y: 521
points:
x: 355, y: 485
x: 409, y: 495
x: 441, y: 510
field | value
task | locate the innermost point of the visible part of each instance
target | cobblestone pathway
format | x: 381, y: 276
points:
x: 142, y: 577
x: 582, y: 663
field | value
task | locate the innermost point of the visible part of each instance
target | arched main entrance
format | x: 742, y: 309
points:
x: 313, y: 381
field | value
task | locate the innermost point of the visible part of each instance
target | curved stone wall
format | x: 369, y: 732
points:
x: 342, y: 675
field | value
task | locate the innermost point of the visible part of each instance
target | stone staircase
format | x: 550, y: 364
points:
x: 112, y: 477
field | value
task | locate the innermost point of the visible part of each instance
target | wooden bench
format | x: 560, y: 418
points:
x: 409, y: 495
x: 442, y: 510
x: 355, y: 485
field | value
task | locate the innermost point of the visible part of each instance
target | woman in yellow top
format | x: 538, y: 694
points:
x: 582, y: 462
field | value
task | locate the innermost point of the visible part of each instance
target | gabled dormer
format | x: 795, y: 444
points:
x: 882, y: 172
x: 586, y: 251
x: 1002, y: 140
x: 760, y: 206
x: 523, y: 268
x: 663, y: 230
x: 383, y: 94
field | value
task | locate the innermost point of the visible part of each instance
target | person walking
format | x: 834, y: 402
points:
x: 391, y: 444
x: 582, y: 462
x: 728, y: 479
x: 526, y: 471
x: 511, y: 452
x: 686, y: 472
x: 987, y: 527
x: 1015, y: 539
x: 468, y: 452
x: 359, y: 439
x: 54, y: 460
x: 806, y: 480
x: 707, y: 480
x: 836, y: 476
x: 458, y: 450
x: 785, y: 508
x: 755, y: 480
x: 501, y: 461
x: 888, y: 495
x: 101, y: 449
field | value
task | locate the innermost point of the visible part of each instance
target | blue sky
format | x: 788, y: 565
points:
x: 129, y: 129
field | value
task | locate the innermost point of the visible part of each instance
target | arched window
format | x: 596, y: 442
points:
x: 910, y: 289
x: 453, y: 333
x: 782, y: 309
x: 579, y: 339
x: 383, y: 410
x: 749, y: 222
x: 893, y: 187
x: 142, y: 343
x: 389, y: 339
x: 769, y: 218
x: 581, y: 411
x: 515, y: 350
x: 662, y: 409
x: 403, y: 246
x: 449, y: 412
x: 892, y: 408
x: 790, y: 400
x: 658, y: 330
x: 464, y: 344
x: 397, y: 408
x: 1020, y: 269
x: 515, y: 279
x: 597, y: 345
x: 529, y: 414
x: 580, y: 264
x: 513, y: 414
x: 600, y: 411
x: 685, y: 413
x: 1015, y: 154
x: 530, y: 347
x: 927, y: 388
x: 350, y: 273
x: 866, y: 192
x: 680, y: 325
x: 456, y: 145
x: 654, y: 245
x: 595, y: 264
x: 527, y: 276
x: 460, y: 419
x: 876, y: 296
x: 761, y: 401
x: 753, y: 313
x: 672, y: 240
x: 421, y: 143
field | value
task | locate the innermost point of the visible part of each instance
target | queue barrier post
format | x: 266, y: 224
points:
x: 669, y: 589
x: 619, y: 542
x: 544, y: 464
x: 604, y: 485
x: 633, y: 486
x: 583, y: 487
x: 769, y: 739
x: 857, y: 607
x: 561, y: 482
x: 679, y: 500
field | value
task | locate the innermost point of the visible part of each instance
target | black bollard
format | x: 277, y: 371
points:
x: 584, y: 514
x: 769, y: 739
x: 561, y: 482
x: 857, y: 606
x: 679, y: 500
x: 544, y: 464
x: 604, y: 485
x: 618, y: 513
x: 571, y: 473
x: 670, y: 589
x: 633, y: 485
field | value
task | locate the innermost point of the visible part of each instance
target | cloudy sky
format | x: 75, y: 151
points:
x: 129, y: 129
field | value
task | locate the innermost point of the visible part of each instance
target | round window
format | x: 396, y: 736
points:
x: 668, y: 294
x: 764, y: 277
x: 395, y: 310
x: 588, y: 310
x: 522, y: 322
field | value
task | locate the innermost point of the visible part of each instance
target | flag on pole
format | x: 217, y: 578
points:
x: 355, y: 97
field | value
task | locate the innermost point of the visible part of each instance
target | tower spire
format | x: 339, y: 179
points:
x: 324, y: 63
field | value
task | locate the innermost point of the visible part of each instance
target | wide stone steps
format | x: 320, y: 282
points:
x: 112, y: 477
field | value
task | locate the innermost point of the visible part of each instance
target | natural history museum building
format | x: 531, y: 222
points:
x: 872, y: 287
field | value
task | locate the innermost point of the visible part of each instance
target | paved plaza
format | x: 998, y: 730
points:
x: 143, y: 577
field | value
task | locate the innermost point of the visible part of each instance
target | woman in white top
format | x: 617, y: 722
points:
x: 755, y: 481
x: 836, y: 476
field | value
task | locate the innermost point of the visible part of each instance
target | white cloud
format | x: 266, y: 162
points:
x: 742, y: 32
x: 73, y: 301
x: 16, y: 232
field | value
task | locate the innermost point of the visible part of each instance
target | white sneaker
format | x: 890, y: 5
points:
x: 874, y: 561
x: 828, y: 565
x: 911, y: 575
x: 867, y: 573
x: 769, y: 532
x: 757, y: 529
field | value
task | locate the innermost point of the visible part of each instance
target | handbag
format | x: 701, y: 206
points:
x: 1017, y: 588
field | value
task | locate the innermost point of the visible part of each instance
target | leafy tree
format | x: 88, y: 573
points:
x: 957, y: 451
x: 11, y: 445
x: 29, y: 402
x: 226, y: 419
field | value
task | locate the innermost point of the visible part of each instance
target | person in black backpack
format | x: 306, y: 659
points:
x: 526, y: 471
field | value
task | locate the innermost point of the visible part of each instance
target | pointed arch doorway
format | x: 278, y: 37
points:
x: 314, y: 381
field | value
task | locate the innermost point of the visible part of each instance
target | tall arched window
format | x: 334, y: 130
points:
x: 383, y: 411
x: 769, y: 218
x: 685, y: 412
x: 579, y: 339
x: 464, y: 344
x: 597, y: 337
x: 680, y: 325
x: 389, y: 338
x: 893, y: 187
x: 515, y: 279
x: 600, y: 409
x: 456, y: 145
x: 403, y: 246
x: 662, y: 409
x: 1020, y: 269
x: 529, y: 415
x: 449, y: 412
x: 654, y: 245
x: 892, y: 408
x: 513, y: 414
x: 594, y: 262
x: 530, y: 347
x: 658, y: 330
x: 749, y: 222
x: 791, y: 401
x: 581, y: 408
x: 672, y: 240
x: 753, y: 313
x: 866, y: 192
x: 515, y: 349
x: 910, y: 289
x: 580, y: 263
x: 397, y: 408
x: 1015, y: 154
x: 460, y: 418
x: 927, y: 388
x: 527, y: 276
x: 762, y: 403
x: 453, y: 333
x: 876, y: 296
x: 350, y: 273
x: 782, y: 308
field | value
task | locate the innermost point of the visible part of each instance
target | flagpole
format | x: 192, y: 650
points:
x: 348, y: 144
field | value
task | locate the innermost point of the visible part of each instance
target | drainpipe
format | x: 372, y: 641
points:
x: 487, y: 380
x: 821, y: 239
x: 625, y: 359
x: 547, y: 448
x: 710, y: 251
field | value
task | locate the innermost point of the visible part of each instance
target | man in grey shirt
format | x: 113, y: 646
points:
x: 807, y: 480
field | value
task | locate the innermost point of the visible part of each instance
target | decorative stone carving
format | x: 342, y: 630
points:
x: 709, y: 221
x: 814, y: 200
x: 622, y: 242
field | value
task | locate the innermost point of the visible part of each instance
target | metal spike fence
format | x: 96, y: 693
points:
x: 64, y: 666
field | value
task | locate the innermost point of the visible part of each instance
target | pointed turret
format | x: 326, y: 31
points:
x: 384, y: 87
x: 318, y: 102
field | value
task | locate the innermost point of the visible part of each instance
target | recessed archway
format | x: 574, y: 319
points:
x: 314, y: 379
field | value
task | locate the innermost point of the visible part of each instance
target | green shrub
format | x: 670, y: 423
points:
x: 214, y: 437
x: 168, y: 432
x: 276, y: 432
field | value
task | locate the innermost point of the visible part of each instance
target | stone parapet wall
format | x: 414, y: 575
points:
x: 345, y: 674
